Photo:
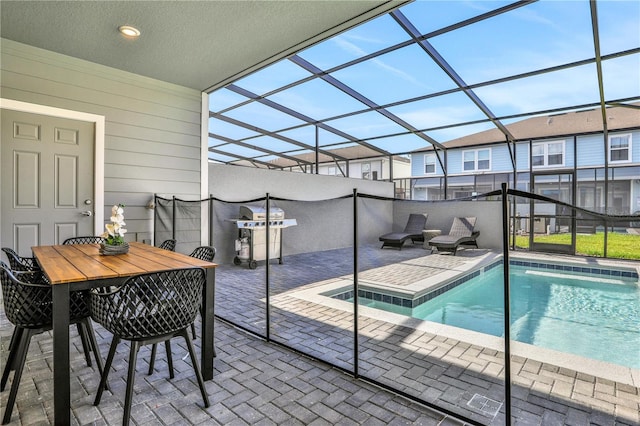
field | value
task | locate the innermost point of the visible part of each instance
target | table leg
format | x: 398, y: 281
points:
x: 61, y: 386
x: 208, y: 303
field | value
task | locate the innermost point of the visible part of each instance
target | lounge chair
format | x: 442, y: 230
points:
x: 461, y: 233
x: 413, y: 231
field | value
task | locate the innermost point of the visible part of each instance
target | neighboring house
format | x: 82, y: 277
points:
x: 373, y: 168
x: 545, y: 150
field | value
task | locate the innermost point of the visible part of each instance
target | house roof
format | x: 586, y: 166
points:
x: 357, y: 152
x: 556, y: 125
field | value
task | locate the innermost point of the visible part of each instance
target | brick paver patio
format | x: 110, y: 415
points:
x: 256, y: 382
x: 448, y: 372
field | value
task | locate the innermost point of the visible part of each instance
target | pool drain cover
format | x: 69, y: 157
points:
x: 485, y: 405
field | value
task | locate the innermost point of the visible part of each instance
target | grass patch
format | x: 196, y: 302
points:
x: 621, y: 246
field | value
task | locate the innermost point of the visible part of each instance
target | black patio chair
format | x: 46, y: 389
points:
x: 90, y: 239
x: 207, y: 253
x: 462, y: 233
x: 149, y: 309
x: 28, y: 305
x: 412, y: 230
x: 20, y: 263
x: 168, y: 245
x: 203, y: 253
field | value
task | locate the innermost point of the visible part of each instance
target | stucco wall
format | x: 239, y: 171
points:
x: 232, y: 183
x: 441, y: 213
x: 324, y: 221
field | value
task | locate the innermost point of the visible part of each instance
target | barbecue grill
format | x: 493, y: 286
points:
x: 251, y: 245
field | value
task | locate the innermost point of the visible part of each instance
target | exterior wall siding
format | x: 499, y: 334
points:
x: 454, y: 161
x: 152, y: 128
x: 590, y: 151
x: 635, y: 146
x: 500, y: 159
x: 522, y: 156
x: 583, y: 153
x: 417, y: 164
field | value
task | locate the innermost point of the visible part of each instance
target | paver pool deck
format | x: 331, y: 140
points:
x: 456, y: 369
x: 257, y: 382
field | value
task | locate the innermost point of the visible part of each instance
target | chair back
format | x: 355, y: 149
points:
x: 168, y: 245
x: 151, y: 304
x: 27, y: 302
x: 90, y: 239
x: 19, y: 263
x: 416, y: 223
x: 26, y: 289
x: 204, y: 253
x: 462, y: 226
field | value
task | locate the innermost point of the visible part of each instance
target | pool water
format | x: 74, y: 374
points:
x: 593, y: 317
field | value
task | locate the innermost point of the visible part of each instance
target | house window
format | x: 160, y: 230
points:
x: 545, y: 154
x: 429, y: 164
x: 331, y: 171
x: 476, y: 160
x: 620, y: 148
x: 366, y: 171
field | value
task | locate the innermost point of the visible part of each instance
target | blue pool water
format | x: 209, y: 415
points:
x: 594, y: 317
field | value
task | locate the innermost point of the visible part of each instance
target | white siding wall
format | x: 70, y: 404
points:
x: 400, y: 170
x: 152, y: 129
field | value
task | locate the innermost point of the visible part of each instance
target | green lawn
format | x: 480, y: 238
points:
x: 622, y: 246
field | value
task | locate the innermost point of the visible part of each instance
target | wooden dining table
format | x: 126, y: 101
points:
x: 81, y: 267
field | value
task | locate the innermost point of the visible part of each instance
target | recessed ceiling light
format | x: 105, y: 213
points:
x: 129, y: 31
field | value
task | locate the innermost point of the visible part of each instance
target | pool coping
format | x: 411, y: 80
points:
x: 621, y: 374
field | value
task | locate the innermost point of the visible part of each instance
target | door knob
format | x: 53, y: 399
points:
x: 87, y: 213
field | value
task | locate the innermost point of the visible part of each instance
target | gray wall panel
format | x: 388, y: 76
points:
x: 71, y: 92
x: 146, y: 122
x: 163, y: 161
x: 156, y: 136
x: 441, y: 214
x: 232, y: 183
x: 83, y: 74
x: 322, y: 225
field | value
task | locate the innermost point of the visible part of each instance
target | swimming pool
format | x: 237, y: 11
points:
x: 591, y: 315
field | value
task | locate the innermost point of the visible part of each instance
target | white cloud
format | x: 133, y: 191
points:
x: 553, y: 90
x: 439, y: 116
x: 348, y: 47
x: 357, y: 51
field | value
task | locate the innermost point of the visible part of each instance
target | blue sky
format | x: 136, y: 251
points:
x: 544, y: 34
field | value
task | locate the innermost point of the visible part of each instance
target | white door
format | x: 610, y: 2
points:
x: 47, y: 179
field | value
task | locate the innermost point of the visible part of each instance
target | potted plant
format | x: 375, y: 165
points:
x: 114, y: 242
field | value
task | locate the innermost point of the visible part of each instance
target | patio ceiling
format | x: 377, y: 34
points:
x: 196, y: 44
x: 432, y: 72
